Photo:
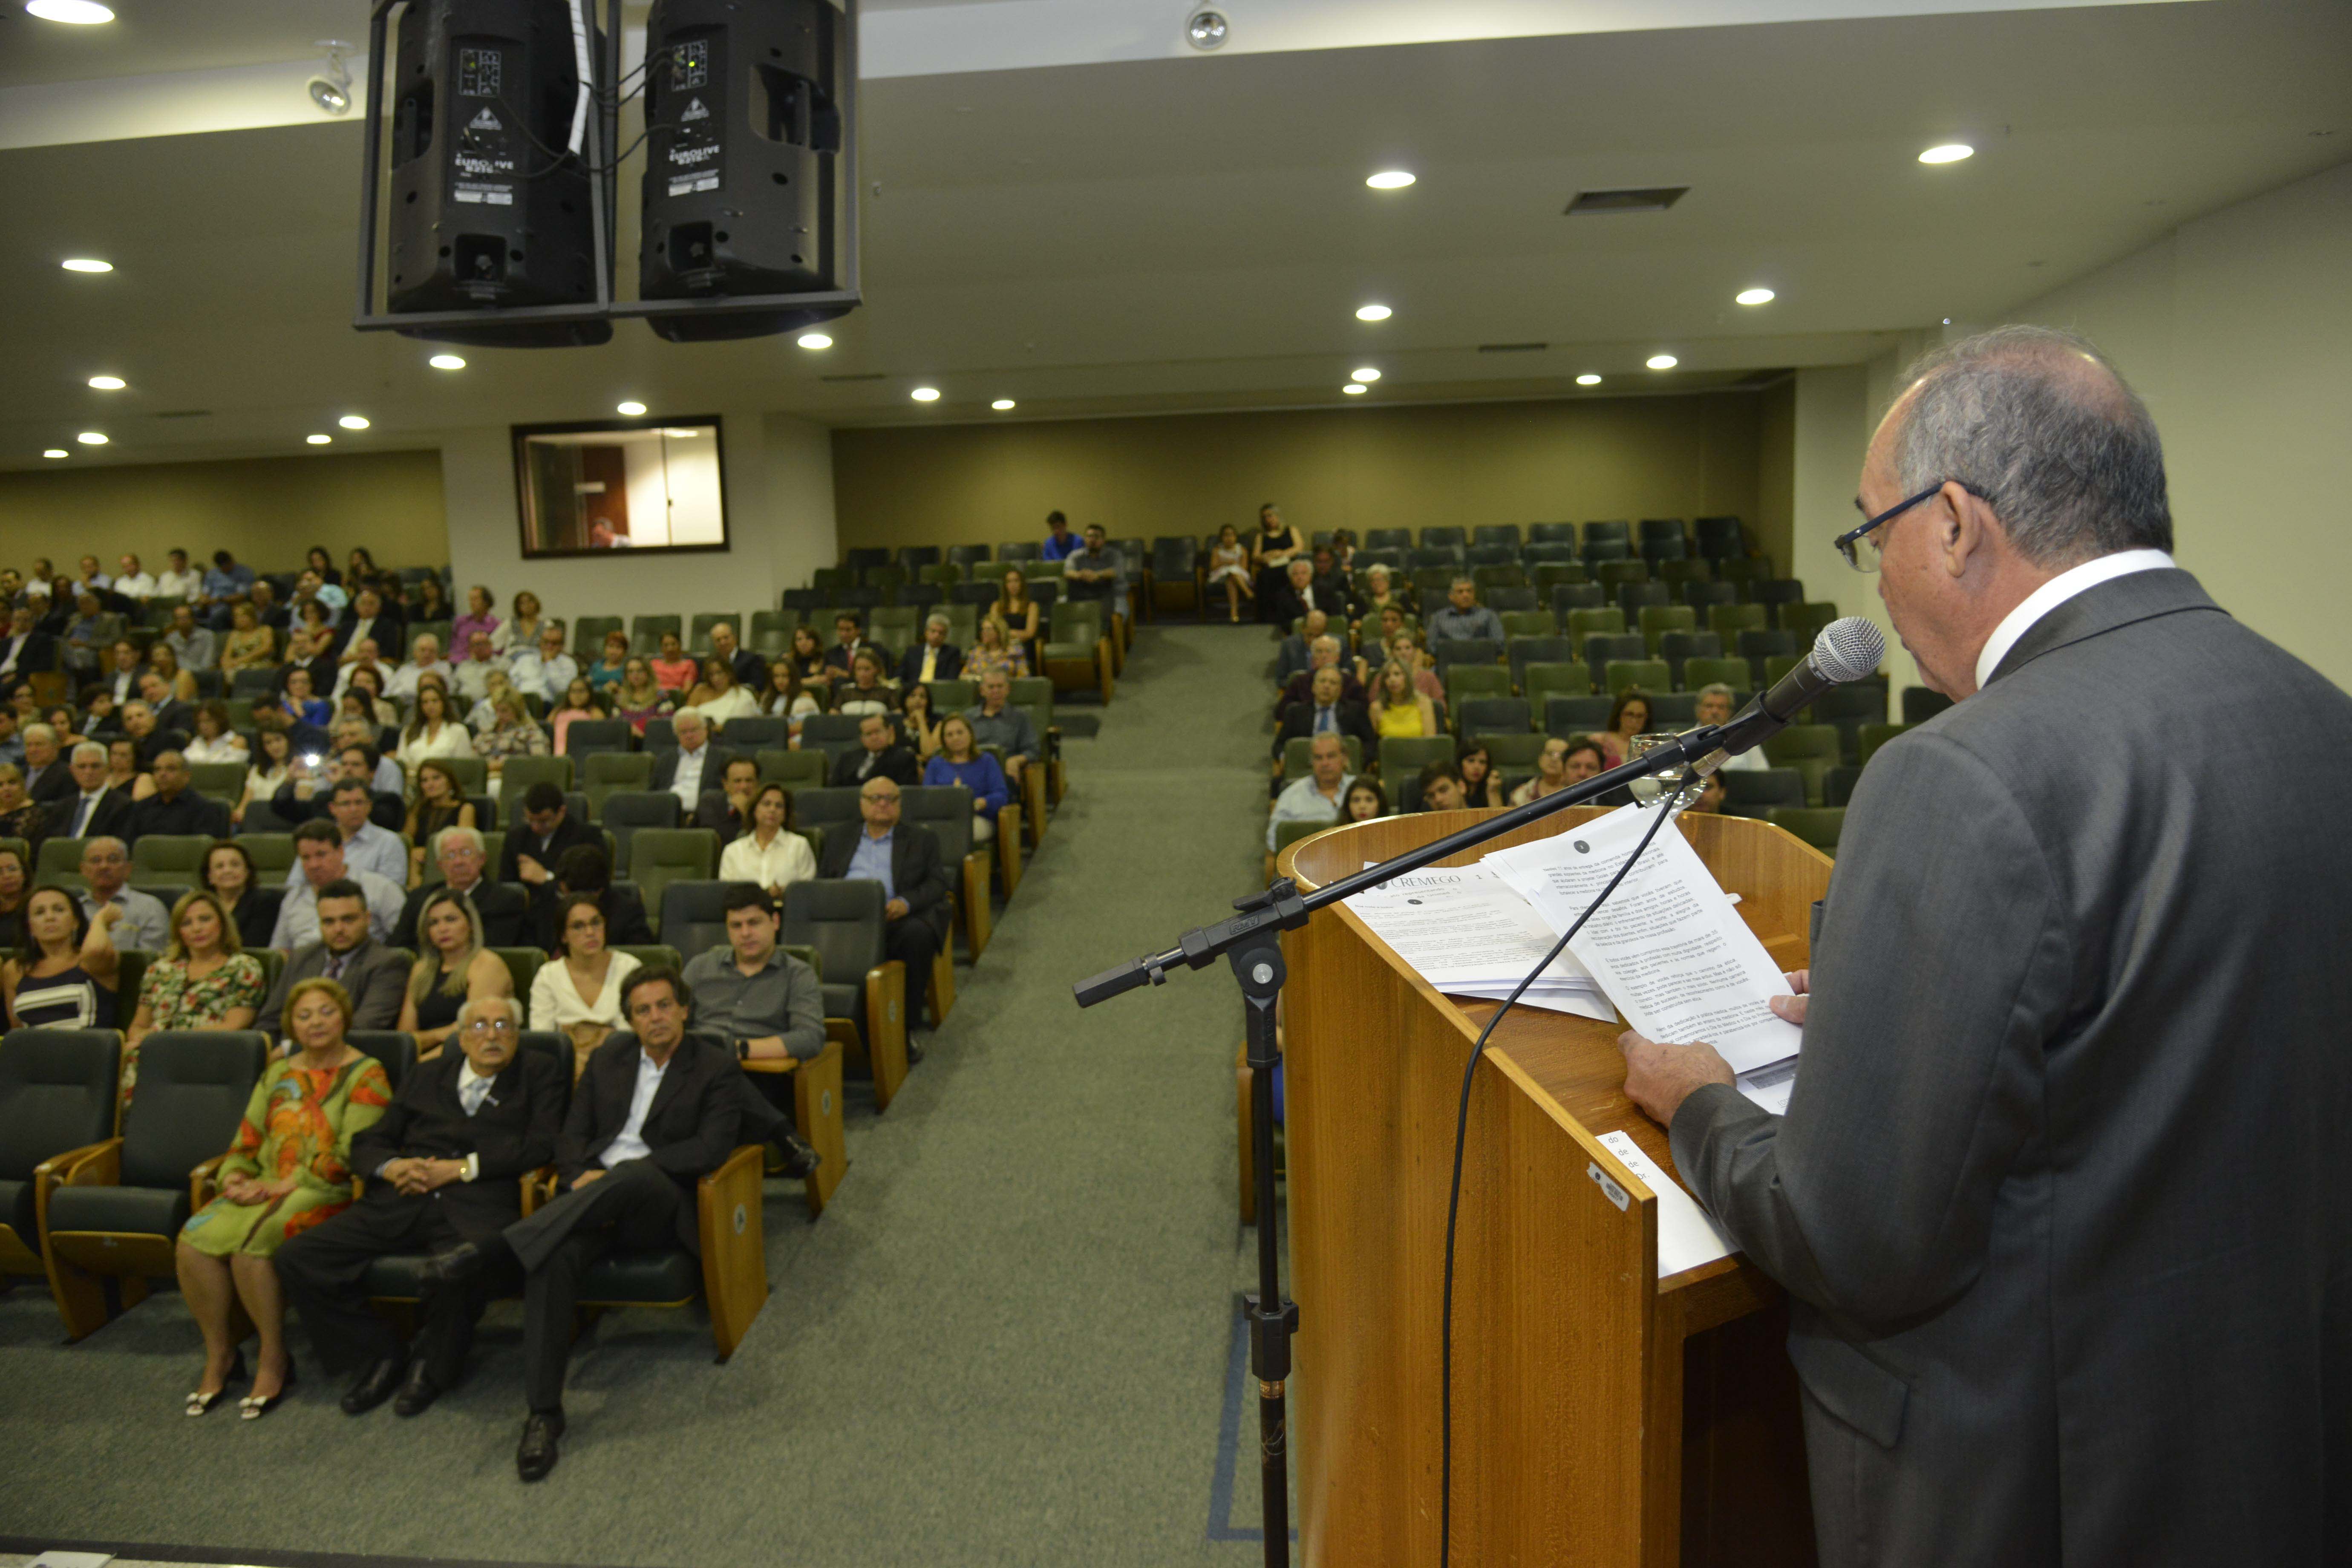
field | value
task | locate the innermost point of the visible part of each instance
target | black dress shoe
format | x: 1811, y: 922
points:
x: 417, y: 1390
x: 796, y: 1159
x: 373, y: 1386
x: 913, y: 1051
x: 538, y: 1453
x: 457, y: 1266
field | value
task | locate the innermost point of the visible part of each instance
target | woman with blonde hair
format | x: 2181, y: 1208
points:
x: 206, y: 980
x: 288, y: 1170
x: 1399, y: 707
x: 249, y: 644
x: 993, y: 650
x: 454, y: 968
x: 512, y: 733
x: 639, y: 696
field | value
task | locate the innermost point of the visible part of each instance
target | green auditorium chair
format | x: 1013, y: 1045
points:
x: 1812, y: 748
x: 1817, y: 825
x: 58, y: 1090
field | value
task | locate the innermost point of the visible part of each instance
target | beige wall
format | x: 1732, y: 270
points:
x: 1459, y: 464
x: 268, y: 511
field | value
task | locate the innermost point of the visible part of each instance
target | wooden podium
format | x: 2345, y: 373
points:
x: 1601, y: 1416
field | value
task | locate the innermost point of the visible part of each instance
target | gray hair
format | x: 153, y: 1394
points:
x: 937, y: 618
x: 41, y: 732
x: 1718, y: 688
x: 1462, y: 582
x: 89, y: 748
x: 462, y: 835
x: 2037, y: 423
x: 1319, y: 643
x: 473, y: 1005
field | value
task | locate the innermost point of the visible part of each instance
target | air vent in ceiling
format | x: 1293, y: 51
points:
x: 1512, y: 348
x: 1647, y: 199
x: 877, y: 376
x: 184, y: 414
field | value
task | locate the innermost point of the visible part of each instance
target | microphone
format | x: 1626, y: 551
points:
x: 1847, y: 649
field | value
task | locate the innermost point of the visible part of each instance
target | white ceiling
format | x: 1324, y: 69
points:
x: 1157, y: 234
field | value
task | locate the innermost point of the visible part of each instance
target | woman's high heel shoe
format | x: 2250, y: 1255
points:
x: 253, y: 1407
x: 201, y: 1403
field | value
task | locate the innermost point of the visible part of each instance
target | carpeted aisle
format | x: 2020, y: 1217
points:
x: 1006, y: 1343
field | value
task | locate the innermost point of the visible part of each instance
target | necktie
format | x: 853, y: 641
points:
x: 1324, y: 724
x: 335, y: 962
x: 472, y: 1092
x: 82, y: 812
x: 931, y: 658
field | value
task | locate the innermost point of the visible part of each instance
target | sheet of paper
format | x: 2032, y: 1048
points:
x: 1463, y: 924
x: 1667, y: 947
x: 1686, y: 1236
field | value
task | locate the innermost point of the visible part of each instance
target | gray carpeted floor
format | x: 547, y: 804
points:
x: 1007, y: 1341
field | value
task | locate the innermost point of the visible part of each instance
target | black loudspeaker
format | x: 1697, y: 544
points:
x: 490, y: 209
x: 742, y: 192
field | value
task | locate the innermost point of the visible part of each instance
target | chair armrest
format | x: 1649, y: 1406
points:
x: 732, y: 1225
x: 775, y: 1067
x: 96, y: 1164
x: 202, y: 1179
x: 537, y: 1187
x: 886, y: 1029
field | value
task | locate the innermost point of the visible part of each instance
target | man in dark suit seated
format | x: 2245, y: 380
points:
x: 695, y: 764
x: 584, y: 869
x: 1295, y: 654
x: 934, y: 657
x: 171, y: 712
x: 727, y: 811
x: 26, y: 650
x: 88, y: 809
x: 348, y: 953
x: 749, y: 670
x: 505, y: 911
x: 48, y: 777
x: 905, y: 858
x: 547, y: 832
x: 849, y: 640
x: 879, y: 755
x: 442, y: 1167
x: 175, y: 807
x: 1322, y: 652
x: 1325, y: 712
x: 149, y: 739
x: 655, y: 1110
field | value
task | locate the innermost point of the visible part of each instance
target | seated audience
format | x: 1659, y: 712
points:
x: 477, y: 622
x: 934, y: 657
x: 764, y: 1003
x: 178, y: 580
x: 194, y: 647
x: 1463, y: 616
x: 48, y: 775
x: 1019, y: 613
x: 672, y: 668
x: 309, y: 787
x: 747, y: 668
x: 27, y: 650
x: 996, y: 722
x: 1551, y: 777
x: 433, y: 728
x: 515, y: 734
x: 1366, y: 800
x: 541, y: 667
x: 319, y: 866
x: 611, y: 663
x: 993, y: 652
x: 1381, y: 595
x: 1325, y: 712
x: 716, y: 697
x: 769, y: 855
x: 683, y: 769
x: 205, y: 980
x: 226, y: 583
x: 868, y: 690
x: 271, y: 770
x: 367, y: 845
x: 1097, y: 574
x: 727, y: 810
x: 214, y: 742
x: 176, y: 807
x: 444, y: 1167
x: 525, y: 624
x: 878, y: 755
x: 905, y: 858
x: 229, y: 875
x: 424, y: 661
x: 106, y: 867
x: 250, y: 644
x: 1714, y: 708
x: 1441, y: 788
x: 1228, y: 564
x: 125, y: 772
x: 960, y: 761
x: 431, y: 603
x: 370, y: 625
x: 1294, y: 655
x: 1296, y: 595
x: 584, y: 869
x: 807, y: 659
x: 89, y: 634
x: 786, y: 696
x: 1629, y: 716
x: 1475, y: 768
x: 440, y: 803
x: 1319, y: 795
x: 470, y: 681
x: 1323, y: 652
x: 481, y: 718
x: 289, y: 1168
x: 1060, y: 542
x: 1399, y: 707
x: 364, y: 697
x: 179, y: 685
x: 452, y: 966
x: 347, y: 951
x: 639, y: 696
x: 140, y: 738
x: 918, y: 723
x: 20, y: 814
x: 848, y: 639
x: 502, y: 908
x: 1333, y: 589
x: 546, y: 830
x: 577, y: 992
x: 63, y: 975
x: 579, y: 700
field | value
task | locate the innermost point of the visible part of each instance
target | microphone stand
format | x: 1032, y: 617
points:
x: 1250, y: 944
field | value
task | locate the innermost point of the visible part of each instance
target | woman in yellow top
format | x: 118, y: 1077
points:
x: 1399, y: 708
x: 288, y: 1169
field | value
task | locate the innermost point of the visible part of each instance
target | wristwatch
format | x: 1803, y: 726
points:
x: 742, y: 1049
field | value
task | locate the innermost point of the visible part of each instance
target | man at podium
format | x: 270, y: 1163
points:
x: 2063, y: 1194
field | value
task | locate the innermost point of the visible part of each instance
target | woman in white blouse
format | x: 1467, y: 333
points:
x: 432, y: 731
x: 716, y: 697
x: 578, y: 995
x: 214, y: 742
x: 770, y: 853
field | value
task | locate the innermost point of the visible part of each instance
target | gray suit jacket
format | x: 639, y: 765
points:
x: 2062, y: 1195
x: 376, y: 976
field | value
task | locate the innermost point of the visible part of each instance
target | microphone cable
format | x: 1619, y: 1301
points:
x: 1667, y: 808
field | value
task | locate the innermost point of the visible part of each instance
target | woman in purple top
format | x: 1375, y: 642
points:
x: 480, y: 603
x: 961, y: 761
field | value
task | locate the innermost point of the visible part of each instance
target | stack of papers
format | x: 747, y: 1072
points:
x: 1469, y: 933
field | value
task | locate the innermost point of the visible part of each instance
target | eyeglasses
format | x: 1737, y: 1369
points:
x: 1861, y: 546
x: 490, y: 1027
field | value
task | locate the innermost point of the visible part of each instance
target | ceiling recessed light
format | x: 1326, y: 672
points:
x: 1372, y: 312
x: 1588, y: 379
x: 1754, y: 297
x: 1947, y: 152
x: 1002, y: 404
x: 57, y: 452
x: 816, y: 341
x: 630, y: 409
x: 80, y: 13
x: 1662, y: 362
x: 92, y: 438
x: 86, y: 264
x: 1390, y: 180
x: 108, y: 382
x: 681, y: 434
x: 446, y: 362
x: 353, y: 422
x: 1355, y: 389
x: 925, y: 395
x: 318, y: 441
x: 1365, y: 373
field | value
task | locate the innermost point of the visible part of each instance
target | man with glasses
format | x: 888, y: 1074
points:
x: 2060, y: 1200
x: 443, y: 1169
x: 905, y: 858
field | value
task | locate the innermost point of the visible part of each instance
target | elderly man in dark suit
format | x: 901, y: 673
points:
x: 2063, y: 1193
x: 934, y: 657
x: 879, y: 754
x: 1325, y: 712
x: 656, y: 1110
x: 905, y: 858
x: 442, y: 1167
x: 463, y: 859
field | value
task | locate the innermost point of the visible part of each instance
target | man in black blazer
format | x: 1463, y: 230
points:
x: 25, y: 649
x: 749, y: 670
x: 879, y: 756
x: 48, y: 775
x: 1325, y: 712
x: 655, y: 1110
x: 442, y: 1167
x: 585, y: 870
x: 933, y: 658
x: 88, y: 809
x: 695, y: 764
x: 505, y: 911
x: 905, y: 858
x: 547, y: 831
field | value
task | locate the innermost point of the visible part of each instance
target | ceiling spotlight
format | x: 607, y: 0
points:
x: 446, y: 362
x: 80, y: 13
x: 57, y: 452
x: 1366, y: 373
x: 108, y: 382
x: 816, y: 341
x: 630, y: 409
x: 1588, y: 379
x: 1948, y: 152
x: 331, y: 89
x: 1753, y: 297
x: 1205, y: 29
x: 1002, y: 404
x: 318, y: 441
x: 87, y: 264
x: 1355, y: 389
x: 1390, y: 180
x: 92, y: 438
x: 353, y: 422
x: 1662, y: 362
x: 1372, y: 312
x: 925, y: 395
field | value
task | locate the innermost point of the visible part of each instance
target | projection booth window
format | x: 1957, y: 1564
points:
x: 634, y: 486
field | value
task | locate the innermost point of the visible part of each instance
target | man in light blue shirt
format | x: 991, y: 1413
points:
x: 319, y: 847
x: 1321, y: 795
x: 366, y: 846
x: 1465, y: 616
x: 546, y: 669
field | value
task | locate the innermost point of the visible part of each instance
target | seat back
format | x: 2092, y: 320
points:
x: 660, y: 855
x: 520, y: 773
x: 1544, y: 649
x: 606, y: 774
x: 796, y: 771
x: 627, y: 812
x: 588, y: 633
x: 1576, y: 715
x: 1076, y: 624
x: 754, y: 730
x: 769, y: 633
x: 1657, y: 620
x: 1567, y: 598
x: 57, y: 1091
x: 835, y: 734
x: 1754, y: 789
x: 694, y: 915
x: 1817, y: 825
x: 167, y: 857
x: 396, y: 1049
x: 827, y: 808
x: 1541, y: 681
x: 945, y: 812
x: 193, y: 1089
x: 1731, y: 672
x: 223, y: 782
x: 645, y: 632
x: 698, y: 630
x: 1583, y: 624
x: 590, y: 737
x: 60, y: 862
x: 1649, y: 674
x: 841, y: 919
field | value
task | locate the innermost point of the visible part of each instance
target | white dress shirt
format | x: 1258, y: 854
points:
x: 629, y: 1142
x: 786, y: 859
x: 2056, y: 592
x: 138, y: 586
x: 688, y: 784
x: 170, y: 584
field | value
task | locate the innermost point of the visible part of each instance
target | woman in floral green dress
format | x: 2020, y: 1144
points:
x: 287, y: 1170
x: 205, y: 981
